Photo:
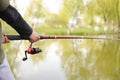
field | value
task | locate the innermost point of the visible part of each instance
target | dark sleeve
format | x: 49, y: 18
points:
x: 13, y: 18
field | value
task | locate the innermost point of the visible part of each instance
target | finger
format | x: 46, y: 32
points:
x: 6, y: 40
x: 32, y: 40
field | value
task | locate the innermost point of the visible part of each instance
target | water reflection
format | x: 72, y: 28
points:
x: 93, y: 64
x: 47, y: 69
x: 67, y: 60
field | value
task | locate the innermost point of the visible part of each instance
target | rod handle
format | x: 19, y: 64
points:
x: 14, y: 37
x: 17, y: 37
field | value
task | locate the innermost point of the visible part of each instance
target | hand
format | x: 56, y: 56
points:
x: 5, y: 39
x: 34, y: 37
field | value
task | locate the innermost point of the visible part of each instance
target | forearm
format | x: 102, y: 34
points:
x: 13, y: 18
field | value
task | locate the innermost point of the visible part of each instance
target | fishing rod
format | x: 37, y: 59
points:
x: 17, y: 37
x: 33, y: 51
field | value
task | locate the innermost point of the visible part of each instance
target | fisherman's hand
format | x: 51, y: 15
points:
x: 5, y: 39
x: 34, y: 37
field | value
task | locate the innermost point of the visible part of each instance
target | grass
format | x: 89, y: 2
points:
x: 64, y: 31
x: 86, y: 31
x: 51, y: 31
x: 59, y: 31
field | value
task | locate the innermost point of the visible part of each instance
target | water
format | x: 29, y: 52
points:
x: 47, y: 69
x: 66, y: 60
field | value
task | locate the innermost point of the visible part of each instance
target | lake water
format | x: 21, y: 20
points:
x: 66, y: 60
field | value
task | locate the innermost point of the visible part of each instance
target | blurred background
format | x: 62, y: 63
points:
x: 68, y: 59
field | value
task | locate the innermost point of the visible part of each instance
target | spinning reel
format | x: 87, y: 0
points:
x: 31, y: 51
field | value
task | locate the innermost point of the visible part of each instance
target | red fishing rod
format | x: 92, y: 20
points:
x: 33, y: 51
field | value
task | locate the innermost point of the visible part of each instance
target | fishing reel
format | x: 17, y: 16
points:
x: 31, y: 51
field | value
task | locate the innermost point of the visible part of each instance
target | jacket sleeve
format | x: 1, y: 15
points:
x: 13, y: 18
